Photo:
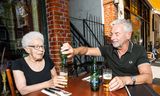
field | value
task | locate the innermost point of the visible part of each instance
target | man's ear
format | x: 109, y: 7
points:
x: 129, y: 34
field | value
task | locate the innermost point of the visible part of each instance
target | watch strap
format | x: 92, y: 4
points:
x: 133, y: 78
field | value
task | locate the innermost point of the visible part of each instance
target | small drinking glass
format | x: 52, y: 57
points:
x: 64, y: 73
x: 107, y: 76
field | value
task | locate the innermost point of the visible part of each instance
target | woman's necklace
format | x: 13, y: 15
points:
x: 35, y: 65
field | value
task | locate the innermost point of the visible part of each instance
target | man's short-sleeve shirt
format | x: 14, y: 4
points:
x: 128, y: 63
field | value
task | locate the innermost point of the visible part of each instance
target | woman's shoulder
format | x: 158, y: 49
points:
x: 18, y: 63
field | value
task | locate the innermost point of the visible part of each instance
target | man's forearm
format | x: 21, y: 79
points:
x: 80, y: 50
x: 143, y: 78
x: 139, y: 79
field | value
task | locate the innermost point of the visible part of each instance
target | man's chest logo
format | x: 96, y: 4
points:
x: 130, y: 62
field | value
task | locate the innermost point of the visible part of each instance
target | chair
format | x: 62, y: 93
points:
x: 150, y: 56
x: 158, y: 52
x: 10, y: 81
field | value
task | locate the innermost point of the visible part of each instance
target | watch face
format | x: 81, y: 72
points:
x: 133, y: 80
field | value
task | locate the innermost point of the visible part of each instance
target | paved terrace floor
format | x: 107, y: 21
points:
x: 156, y: 71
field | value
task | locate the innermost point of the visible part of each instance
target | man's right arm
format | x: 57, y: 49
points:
x: 87, y: 51
x: 67, y: 49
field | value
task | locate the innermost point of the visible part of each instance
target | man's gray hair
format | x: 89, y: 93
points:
x: 29, y: 37
x: 126, y: 23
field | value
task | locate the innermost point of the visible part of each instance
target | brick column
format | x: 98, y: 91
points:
x: 110, y: 14
x: 58, y: 26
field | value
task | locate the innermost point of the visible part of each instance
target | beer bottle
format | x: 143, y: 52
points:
x: 63, y: 59
x: 94, y: 80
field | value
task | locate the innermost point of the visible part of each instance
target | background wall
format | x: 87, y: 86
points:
x: 58, y: 27
x: 82, y: 8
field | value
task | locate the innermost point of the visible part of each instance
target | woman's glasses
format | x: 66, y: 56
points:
x: 37, y: 47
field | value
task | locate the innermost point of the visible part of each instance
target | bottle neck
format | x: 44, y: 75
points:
x: 64, y: 61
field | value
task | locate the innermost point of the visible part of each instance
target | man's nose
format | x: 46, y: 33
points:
x: 113, y: 36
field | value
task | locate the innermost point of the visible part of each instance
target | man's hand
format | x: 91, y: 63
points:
x: 116, y: 83
x: 67, y: 49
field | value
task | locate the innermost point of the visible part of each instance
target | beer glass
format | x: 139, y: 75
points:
x: 64, y: 73
x: 107, y: 76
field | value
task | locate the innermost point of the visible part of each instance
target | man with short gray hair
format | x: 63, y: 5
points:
x: 128, y: 61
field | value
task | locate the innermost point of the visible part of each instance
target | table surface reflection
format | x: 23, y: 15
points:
x: 82, y: 88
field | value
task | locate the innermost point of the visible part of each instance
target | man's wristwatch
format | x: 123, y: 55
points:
x: 133, y: 78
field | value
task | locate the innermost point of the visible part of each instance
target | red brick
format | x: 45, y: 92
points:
x: 58, y: 13
x: 58, y: 26
x: 110, y: 13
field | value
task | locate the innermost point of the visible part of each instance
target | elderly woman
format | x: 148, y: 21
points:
x: 35, y: 71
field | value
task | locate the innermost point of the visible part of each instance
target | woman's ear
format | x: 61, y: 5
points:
x: 27, y: 50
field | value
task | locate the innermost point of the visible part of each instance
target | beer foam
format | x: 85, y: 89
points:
x: 107, y: 76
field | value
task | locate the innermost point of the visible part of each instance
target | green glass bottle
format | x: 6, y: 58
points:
x: 94, y: 80
x: 63, y: 59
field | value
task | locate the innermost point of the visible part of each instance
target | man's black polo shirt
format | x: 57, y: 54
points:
x: 128, y: 63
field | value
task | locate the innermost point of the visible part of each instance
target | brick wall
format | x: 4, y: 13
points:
x: 110, y: 14
x: 58, y: 26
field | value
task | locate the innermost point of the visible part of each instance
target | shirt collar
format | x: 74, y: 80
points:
x: 129, y: 48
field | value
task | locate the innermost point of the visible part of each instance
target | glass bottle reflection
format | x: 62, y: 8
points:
x: 3, y: 74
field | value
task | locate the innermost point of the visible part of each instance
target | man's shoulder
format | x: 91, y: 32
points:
x: 139, y: 49
x: 106, y: 47
x: 137, y: 46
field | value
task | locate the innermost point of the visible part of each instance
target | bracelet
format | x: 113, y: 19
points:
x: 133, y: 78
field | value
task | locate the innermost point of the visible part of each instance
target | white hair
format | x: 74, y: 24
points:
x: 29, y: 37
x: 126, y: 23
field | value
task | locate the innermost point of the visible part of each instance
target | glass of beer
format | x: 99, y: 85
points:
x: 107, y: 76
x: 64, y: 73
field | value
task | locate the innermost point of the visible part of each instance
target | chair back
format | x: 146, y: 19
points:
x: 150, y: 56
x: 10, y: 81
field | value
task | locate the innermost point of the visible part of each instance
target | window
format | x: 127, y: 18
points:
x: 16, y: 19
x: 138, y: 12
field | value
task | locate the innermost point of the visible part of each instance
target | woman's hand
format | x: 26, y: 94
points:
x: 60, y: 81
x: 48, y: 83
